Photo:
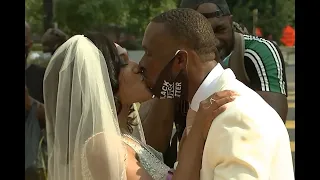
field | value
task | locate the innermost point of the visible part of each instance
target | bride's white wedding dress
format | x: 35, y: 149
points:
x: 150, y: 159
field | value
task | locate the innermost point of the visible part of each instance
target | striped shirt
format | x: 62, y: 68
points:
x: 264, y: 65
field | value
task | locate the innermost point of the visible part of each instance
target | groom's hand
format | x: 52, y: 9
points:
x: 212, y: 107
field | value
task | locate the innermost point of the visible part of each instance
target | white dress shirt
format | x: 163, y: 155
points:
x: 204, y: 91
x: 206, y: 88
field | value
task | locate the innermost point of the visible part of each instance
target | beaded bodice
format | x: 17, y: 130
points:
x: 150, y: 159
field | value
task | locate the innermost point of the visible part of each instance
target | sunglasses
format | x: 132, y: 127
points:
x: 215, y: 14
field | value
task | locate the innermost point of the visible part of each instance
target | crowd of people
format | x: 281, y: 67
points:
x: 223, y: 89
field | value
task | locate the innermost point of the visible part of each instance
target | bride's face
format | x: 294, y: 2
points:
x: 132, y: 87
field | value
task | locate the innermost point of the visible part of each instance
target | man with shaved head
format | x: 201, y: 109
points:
x: 239, y: 145
x: 52, y: 39
x: 256, y: 62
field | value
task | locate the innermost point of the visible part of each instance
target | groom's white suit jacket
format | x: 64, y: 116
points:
x: 248, y: 141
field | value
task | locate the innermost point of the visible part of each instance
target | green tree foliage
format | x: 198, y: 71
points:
x: 34, y: 15
x: 271, y: 18
x: 141, y: 12
x: 242, y: 13
x: 274, y: 24
x: 76, y: 16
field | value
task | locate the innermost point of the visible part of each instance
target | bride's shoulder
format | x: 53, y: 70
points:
x: 97, y: 138
x: 129, y: 144
x: 132, y: 145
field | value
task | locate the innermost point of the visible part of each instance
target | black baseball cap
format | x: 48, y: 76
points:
x: 222, y: 5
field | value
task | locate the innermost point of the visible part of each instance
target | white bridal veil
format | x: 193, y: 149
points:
x: 84, y: 139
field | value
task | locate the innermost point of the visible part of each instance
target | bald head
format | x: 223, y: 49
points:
x: 52, y: 39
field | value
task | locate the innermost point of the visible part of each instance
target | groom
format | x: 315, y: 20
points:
x: 181, y: 61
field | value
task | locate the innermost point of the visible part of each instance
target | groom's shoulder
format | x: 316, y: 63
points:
x: 249, y: 108
x: 247, y: 111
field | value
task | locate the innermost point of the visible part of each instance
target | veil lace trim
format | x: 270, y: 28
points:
x: 86, y: 174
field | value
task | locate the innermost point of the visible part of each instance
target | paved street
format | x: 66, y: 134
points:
x: 290, y: 124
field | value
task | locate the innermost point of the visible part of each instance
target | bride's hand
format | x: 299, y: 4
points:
x: 210, y: 108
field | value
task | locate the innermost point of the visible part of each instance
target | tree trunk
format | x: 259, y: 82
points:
x: 48, y: 14
x: 254, y: 20
x: 273, y: 3
x: 178, y: 3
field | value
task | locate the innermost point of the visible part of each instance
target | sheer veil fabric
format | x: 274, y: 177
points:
x: 84, y: 139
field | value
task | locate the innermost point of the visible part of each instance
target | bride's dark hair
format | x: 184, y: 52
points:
x: 114, y: 64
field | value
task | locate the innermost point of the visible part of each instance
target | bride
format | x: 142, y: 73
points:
x: 89, y: 91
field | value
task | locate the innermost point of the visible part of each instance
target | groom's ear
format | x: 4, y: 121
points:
x: 182, y: 59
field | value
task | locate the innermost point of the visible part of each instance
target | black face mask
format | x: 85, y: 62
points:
x: 170, y: 86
